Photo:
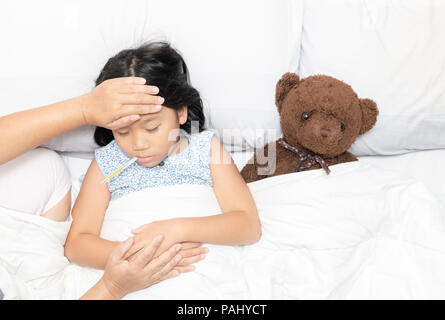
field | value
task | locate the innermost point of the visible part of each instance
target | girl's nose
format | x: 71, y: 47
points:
x: 140, y: 142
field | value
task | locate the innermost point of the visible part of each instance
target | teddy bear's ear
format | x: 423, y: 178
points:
x: 369, y: 114
x: 287, y: 82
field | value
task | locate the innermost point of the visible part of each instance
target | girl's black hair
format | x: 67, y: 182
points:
x: 163, y: 67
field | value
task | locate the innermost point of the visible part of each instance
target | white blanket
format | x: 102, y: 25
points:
x: 360, y: 232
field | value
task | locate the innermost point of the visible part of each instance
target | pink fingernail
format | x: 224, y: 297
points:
x: 206, y: 250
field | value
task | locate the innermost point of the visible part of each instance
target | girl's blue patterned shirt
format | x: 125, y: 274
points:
x: 190, y: 166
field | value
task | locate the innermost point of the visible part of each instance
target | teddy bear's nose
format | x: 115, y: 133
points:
x: 325, y: 132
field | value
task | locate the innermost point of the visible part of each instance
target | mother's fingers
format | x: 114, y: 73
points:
x: 163, y: 264
x: 140, y: 98
x: 126, y: 80
x: 123, y: 122
x: 119, y: 252
x: 131, y: 113
x: 138, y: 88
x: 146, y: 254
x: 137, y: 247
x: 127, y: 110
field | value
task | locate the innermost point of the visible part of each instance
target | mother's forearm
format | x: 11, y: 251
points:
x: 230, y: 228
x: 25, y: 130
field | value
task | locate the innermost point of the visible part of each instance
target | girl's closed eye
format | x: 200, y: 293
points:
x: 153, y: 129
x: 122, y: 133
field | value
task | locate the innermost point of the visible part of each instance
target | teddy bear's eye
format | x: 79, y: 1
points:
x: 342, y: 127
x: 304, y: 116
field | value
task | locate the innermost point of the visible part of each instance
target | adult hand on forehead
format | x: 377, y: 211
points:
x: 118, y: 102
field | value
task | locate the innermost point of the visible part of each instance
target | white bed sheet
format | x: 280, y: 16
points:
x: 360, y: 233
x: 424, y: 166
x: 405, y: 220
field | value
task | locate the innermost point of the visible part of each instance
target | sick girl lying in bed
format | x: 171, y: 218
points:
x: 171, y: 147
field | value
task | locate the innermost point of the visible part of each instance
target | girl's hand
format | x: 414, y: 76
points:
x: 145, y: 234
x: 117, y: 103
x: 122, y: 277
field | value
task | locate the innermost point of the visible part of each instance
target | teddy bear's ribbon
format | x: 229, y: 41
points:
x: 312, y: 159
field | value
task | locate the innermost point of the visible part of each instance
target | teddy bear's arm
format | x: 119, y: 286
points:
x: 250, y: 172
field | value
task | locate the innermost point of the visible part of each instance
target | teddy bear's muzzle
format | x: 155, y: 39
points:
x: 325, y: 132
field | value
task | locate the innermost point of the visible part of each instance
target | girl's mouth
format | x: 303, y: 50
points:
x: 145, y: 159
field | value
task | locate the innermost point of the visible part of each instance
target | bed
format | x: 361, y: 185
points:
x: 385, y: 240
x: 372, y: 229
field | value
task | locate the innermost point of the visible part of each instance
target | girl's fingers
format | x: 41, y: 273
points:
x: 138, y: 229
x: 190, y: 245
x: 176, y: 271
x: 171, y: 274
x: 188, y: 261
x: 193, y: 252
x: 184, y: 269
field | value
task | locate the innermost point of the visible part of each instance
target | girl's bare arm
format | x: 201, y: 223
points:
x: 239, y: 223
x: 83, y: 244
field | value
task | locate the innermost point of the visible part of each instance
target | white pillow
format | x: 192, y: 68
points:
x: 236, y: 52
x: 391, y: 51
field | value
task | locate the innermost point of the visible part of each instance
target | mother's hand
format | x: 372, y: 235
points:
x: 118, y: 102
x: 122, y: 276
x: 191, y: 252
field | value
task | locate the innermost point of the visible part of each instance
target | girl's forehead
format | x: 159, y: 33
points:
x: 164, y: 113
x: 151, y: 117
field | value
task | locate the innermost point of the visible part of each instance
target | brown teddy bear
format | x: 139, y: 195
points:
x: 320, y: 119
